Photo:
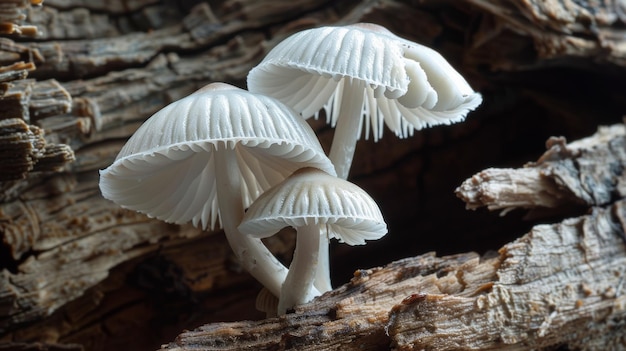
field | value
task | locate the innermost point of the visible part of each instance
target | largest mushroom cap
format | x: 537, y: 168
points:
x: 408, y: 86
x: 166, y: 169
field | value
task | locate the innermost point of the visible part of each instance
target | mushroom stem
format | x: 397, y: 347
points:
x: 251, y: 253
x: 322, y: 274
x: 297, y: 287
x: 347, y: 131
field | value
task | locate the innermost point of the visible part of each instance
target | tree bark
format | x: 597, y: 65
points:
x: 78, y: 77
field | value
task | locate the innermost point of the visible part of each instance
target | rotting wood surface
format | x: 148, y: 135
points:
x: 587, y: 172
x: 81, y: 76
x: 561, y: 284
x: 531, y: 296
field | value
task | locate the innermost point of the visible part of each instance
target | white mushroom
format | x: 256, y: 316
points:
x: 362, y: 75
x: 207, y: 157
x: 310, y: 200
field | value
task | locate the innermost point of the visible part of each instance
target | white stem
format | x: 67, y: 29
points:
x: 297, y: 287
x: 250, y: 252
x: 322, y: 275
x: 348, y: 126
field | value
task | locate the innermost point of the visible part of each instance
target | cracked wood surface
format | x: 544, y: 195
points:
x: 564, y: 174
x: 24, y: 149
x: 13, y: 13
x: 96, y: 70
x: 560, y: 284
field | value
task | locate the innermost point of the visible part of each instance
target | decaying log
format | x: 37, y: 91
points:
x: 77, y: 235
x: 82, y: 237
x: 77, y: 270
x: 561, y: 284
x: 587, y: 172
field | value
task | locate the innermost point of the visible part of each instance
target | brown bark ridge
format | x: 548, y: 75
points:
x: 78, y: 77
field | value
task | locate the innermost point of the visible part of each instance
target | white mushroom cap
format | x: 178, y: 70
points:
x: 166, y: 169
x: 311, y: 196
x: 408, y: 86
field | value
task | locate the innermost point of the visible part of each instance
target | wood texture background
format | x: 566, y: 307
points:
x: 78, y: 77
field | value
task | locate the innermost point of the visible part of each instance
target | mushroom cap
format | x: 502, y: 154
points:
x: 311, y: 196
x: 408, y: 86
x: 167, y: 171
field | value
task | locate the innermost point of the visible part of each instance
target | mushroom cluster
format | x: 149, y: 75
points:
x: 248, y: 162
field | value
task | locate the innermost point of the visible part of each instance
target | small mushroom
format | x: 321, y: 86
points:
x: 206, y: 157
x: 311, y: 200
x: 362, y: 75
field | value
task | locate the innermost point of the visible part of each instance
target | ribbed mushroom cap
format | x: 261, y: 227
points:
x: 311, y: 196
x: 166, y: 169
x: 408, y: 86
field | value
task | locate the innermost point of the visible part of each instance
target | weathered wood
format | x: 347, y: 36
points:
x: 351, y: 317
x: 119, y: 99
x: 15, y: 97
x: 12, y: 16
x: 104, y: 108
x: 560, y: 284
x: 586, y: 172
x: 80, y: 237
x: 23, y: 149
x: 554, y: 31
x: 76, y: 23
x: 21, y: 146
x: 29, y: 99
x: 12, y: 54
x: 117, y: 62
x: 15, y: 71
x: 176, y: 276
x: 200, y: 29
x: 48, y: 98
